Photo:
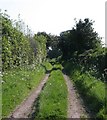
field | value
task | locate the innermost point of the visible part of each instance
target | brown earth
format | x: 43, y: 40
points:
x: 24, y: 109
x: 76, y: 108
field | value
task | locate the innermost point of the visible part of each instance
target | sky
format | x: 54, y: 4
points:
x: 55, y: 16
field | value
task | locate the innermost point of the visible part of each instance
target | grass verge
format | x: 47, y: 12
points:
x: 17, y: 84
x: 91, y: 89
x: 53, y: 99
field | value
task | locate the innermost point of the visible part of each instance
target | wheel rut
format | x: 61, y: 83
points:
x: 76, y: 108
x: 24, y: 109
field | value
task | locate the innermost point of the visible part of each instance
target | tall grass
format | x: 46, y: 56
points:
x: 17, y: 84
x: 91, y: 89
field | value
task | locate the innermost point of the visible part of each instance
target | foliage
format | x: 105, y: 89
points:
x: 41, y: 48
x: 85, y: 62
x: 53, y: 98
x: 55, y: 51
x: 82, y: 37
x: 22, y: 54
x: 83, y: 45
x: 52, y: 42
x: 58, y: 66
x: 15, y: 46
x: 19, y: 49
x: 48, y: 65
x: 94, y: 61
x: 91, y: 89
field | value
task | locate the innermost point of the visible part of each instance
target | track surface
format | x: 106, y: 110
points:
x: 76, y: 109
x: 24, y: 109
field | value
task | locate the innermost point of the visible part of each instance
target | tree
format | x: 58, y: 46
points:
x: 17, y: 48
x: 86, y: 37
x: 82, y: 37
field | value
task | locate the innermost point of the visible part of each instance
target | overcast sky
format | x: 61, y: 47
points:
x: 55, y: 16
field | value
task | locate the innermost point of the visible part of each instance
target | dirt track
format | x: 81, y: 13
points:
x: 76, y: 109
x: 23, y: 110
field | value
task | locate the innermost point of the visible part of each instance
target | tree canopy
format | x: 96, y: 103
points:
x: 82, y: 37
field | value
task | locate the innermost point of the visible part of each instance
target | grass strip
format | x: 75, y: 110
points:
x: 17, y: 84
x: 53, y: 99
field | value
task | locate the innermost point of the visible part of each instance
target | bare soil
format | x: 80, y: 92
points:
x: 76, y: 108
x: 24, y: 109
